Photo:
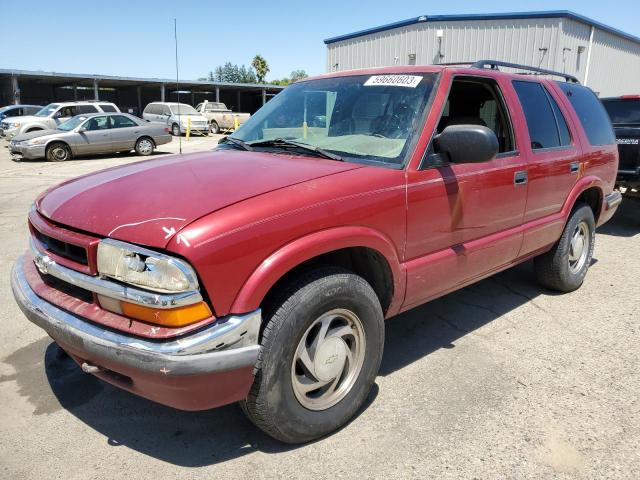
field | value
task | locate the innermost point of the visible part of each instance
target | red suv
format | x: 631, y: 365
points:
x: 262, y: 272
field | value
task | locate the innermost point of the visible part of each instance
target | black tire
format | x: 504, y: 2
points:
x: 145, y: 146
x: 175, y: 130
x: 272, y: 404
x: 554, y: 269
x: 214, y: 127
x: 58, y: 152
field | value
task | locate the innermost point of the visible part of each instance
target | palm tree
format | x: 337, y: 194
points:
x: 261, y: 67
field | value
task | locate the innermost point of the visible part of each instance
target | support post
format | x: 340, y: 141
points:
x: 218, y: 94
x: 193, y: 98
x: 139, y: 92
x: 238, y: 107
x: 75, y: 92
x: 264, y: 96
x: 162, y: 92
x: 15, y: 90
x: 95, y: 89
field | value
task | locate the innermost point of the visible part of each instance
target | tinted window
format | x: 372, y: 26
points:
x: 623, y: 111
x: 107, y: 108
x: 66, y: 112
x: 31, y: 110
x: 86, y: 109
x: 541, y: 121
x: 563, y: 130
x: 591, y: 113
x: 120, y: 121
x: 97, y: 123
x: 12, y: 112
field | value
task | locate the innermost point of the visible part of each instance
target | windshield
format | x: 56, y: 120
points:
x: 183, y: 109
x: 623, y: 111
x: 71, y: 123
x: 364, y: 118
x: 48, y: 110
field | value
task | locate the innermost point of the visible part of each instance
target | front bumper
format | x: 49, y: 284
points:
x: 193, y: 372
x: 30, y: 152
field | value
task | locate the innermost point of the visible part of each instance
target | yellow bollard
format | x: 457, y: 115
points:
x: 305, y: 130
x: 188, y: 128
x: 236, y: 123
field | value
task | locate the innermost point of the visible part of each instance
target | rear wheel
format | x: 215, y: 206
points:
x: 58, y: 152
x: 214, y: 128
x: 144, y: 146
x: 175, y: 130
x: 321, y: 350
x: 565, y: 266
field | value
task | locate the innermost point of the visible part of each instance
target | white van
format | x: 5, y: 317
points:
x: 175, y: 116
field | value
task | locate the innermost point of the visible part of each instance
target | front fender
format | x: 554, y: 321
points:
x: 305, y: 248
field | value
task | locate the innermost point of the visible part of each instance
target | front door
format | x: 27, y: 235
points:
x: 124, y: 133
x: 463, y: 219
x: 95, y: 136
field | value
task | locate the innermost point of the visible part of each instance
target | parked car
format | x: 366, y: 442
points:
x: 624, y: 112
x: 220, y: 117
x: 17, y: 111
x: 176, y: 116
x: 262, y: 272
x: 51, y: 116
x: 90, y: 134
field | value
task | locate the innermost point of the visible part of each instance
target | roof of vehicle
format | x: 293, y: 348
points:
x: 82, y: 102
x: 622, y: 97
x: 109, y: 114
x: 169, y: 103
x: 7, y: 107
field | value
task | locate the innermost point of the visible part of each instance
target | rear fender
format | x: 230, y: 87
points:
x: 305, y: 248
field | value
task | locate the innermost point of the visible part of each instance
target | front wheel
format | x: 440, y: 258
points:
x: 214, y: 128
x: 58, y: 152
x: 321, y: 350
x: 144, y: 146
x: 565, y: 266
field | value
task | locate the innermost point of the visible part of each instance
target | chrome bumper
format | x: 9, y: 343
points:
x: 613, y: 199
x: 229, y: 344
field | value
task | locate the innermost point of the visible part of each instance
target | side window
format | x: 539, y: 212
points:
x: 563, y: 129
x: 149, y: 109
x: 475, y: 101
x: 592, y: 115
x: 541, y: 120
x: 107, y: 108
x: 86, y: 109
x: 165, y: 111
x: 120, y: 121
x: 97, y: 123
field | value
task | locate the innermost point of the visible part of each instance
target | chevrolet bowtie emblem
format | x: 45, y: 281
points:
x: 42, y: 263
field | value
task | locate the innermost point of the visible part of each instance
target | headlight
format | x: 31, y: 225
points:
x: 144, y: 268
x: 36, y: 141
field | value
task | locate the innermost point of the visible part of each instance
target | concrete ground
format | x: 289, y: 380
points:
x: 500, y: 380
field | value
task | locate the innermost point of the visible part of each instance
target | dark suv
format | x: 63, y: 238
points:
x: 18, y: 111
x: 624, y: 112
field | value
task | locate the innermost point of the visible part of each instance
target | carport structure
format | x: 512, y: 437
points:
x: 130, y: 94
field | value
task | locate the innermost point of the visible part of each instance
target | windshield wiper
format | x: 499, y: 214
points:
x: 283, y: 143
x: 235, y: 141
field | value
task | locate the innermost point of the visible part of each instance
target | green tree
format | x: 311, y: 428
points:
x: 261, y: 67
x: 232, y: 73
x: 297, y: 75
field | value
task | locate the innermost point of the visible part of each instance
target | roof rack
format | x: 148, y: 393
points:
x: 494, y: 64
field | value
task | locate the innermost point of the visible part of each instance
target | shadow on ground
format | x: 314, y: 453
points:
x: 195, y: 439
x: 625, y: 222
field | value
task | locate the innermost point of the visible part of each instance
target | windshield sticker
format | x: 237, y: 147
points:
x: 410, y: 81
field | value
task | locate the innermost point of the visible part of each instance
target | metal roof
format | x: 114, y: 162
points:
x: 486, y: 16
x: 115, y: 80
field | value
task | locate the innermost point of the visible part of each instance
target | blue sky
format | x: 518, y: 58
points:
x: 135, y: 38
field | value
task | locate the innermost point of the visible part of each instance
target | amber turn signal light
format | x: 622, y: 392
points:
x: 170, y: 317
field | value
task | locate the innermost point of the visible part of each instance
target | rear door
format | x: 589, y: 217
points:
x: 554, y: 159
x: 124, y: 133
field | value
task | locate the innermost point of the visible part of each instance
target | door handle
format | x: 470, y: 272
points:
x: 574, y: 167
x: 520, y: 178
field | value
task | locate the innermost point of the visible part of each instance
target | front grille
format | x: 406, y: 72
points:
x: 71, y: 290
x: 62, y: 249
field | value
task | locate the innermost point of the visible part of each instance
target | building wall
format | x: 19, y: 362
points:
x: 551, y: 43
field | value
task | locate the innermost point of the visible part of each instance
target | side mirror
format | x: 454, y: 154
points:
x: 467, y: 144
x: 81, y: 130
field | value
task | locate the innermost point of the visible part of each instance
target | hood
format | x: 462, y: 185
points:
x: 194, y: 118
x: 149, y: 202
x: 36, y: 134
x: 25, y: 119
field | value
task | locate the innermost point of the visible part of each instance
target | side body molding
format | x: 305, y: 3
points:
x: 305, y: 248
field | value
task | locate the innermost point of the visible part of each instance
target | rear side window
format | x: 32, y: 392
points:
x: 546, y: 124
x: 86, y: 109
x: 592, y: 115
x: 107, y: 108
x: 120, y: 121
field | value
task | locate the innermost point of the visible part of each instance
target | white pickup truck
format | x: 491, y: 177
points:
x: 220, y: 117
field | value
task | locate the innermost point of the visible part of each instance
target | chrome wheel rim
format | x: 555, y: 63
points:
x: 59, y: 153
x: 579, y: 247
x: 328, y: 359
x: 145, y: 146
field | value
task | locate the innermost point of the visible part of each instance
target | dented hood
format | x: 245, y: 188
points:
x: 149, y: 202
